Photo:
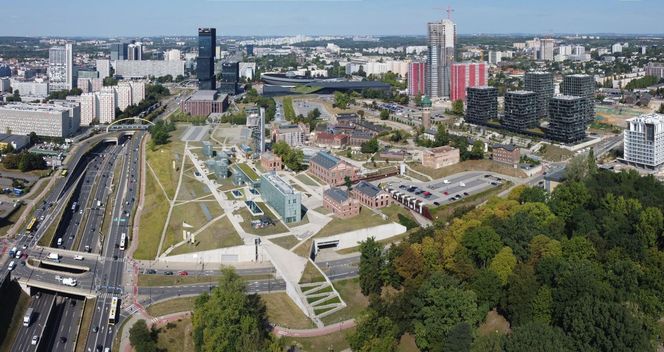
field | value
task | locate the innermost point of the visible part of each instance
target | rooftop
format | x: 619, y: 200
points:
x: 521, y: 92
x: 279, y: 183
x: 652, y: 118
x: 248, y: 171
x: 443, y: 149
x: 508, y: 147
x: 367, y: 188
x: 337, y: 194
x: 207, y: 95
x: 566, y: 97
x: 59, y: 107
x: 325, y: 160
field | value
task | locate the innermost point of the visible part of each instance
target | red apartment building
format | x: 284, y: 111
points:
x: 467, y: 75
x: 416, y: 78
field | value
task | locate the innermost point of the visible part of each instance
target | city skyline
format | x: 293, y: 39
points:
x: 341, y: 17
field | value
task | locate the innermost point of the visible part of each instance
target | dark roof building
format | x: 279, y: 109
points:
x: 370, y: 195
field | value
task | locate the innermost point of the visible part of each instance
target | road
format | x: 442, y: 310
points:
x: 41, y: 307
x: 108, y: 280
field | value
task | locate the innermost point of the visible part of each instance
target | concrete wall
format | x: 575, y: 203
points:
x: 243, y: 253
x: 353, y: 238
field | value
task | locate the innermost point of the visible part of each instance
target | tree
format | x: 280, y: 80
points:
x: 457, y: 107
x: 361, y: 113
x: 141, y: 338
x: 384, y: 114
x: 459, y: 338
x: 348, y: 183
x: 598, y: 325
x: 487, y: 286
x: 532, y: 194
x: 370, y: 146
x: 521, y: 290
x: 371, y: 267
x: 503, y: 264
x: 228, y: 319
x: 538, y: 337
x: 342, y: 100
x: 374, y: 333
x: 542, y: 305
x: 483, y: 243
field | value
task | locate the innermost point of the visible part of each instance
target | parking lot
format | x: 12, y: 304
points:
x: 448, y: 190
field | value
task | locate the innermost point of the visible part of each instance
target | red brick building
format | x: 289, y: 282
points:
x: 331, y: 140
x: 370, y: 195
x: 331, y: 169
x: 339, y: 202
x: 507, y: 154
x: 271, y: 162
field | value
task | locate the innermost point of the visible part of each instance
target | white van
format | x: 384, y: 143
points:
x: 59, y: 241
x: 11, y: 266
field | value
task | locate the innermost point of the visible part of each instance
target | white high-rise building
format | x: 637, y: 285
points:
x: 61, y: 68
x: 644, y: 141
x: 88, y: 108
x: 616, y: 48
x: 565, y: 50
x: 103, y: 68
x: 96, y: 84
x: 105, y: 107
x: 60, y: 119
x: 440, y: 41
x: 123, y: 95
x: 84, y: 85
x: 137, y: 91
x: 495, y: 57
x: 135, y: 51
x: 546, y: 49
x: 173, y: 55
x: 578, y: 50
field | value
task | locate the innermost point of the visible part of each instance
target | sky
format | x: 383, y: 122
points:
x: 315, y: 17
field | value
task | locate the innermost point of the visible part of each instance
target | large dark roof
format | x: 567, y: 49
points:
x: 337, y: 194
x: 508, y: 147
x: 325, y: 160
x: 367, y: 188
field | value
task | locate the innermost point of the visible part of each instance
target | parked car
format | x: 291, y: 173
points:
x: 183, y: 273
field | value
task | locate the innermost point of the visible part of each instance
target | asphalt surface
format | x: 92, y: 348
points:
x: 41, y: 308
x: 108, y: 277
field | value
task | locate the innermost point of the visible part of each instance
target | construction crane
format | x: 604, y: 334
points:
x: 449, y: 11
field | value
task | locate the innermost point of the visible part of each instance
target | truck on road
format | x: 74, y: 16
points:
x: 27, y: 319
x: 54, y: 257
x: 69, y: 281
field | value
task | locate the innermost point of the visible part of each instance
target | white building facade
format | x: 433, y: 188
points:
x: 644, y: 141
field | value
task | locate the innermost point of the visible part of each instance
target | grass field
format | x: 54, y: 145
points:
x: 286, y: 242
x: 162, y: 160
x: 365, y: 219
x: 555, y: 153
x: 311, y: 274
x: 191, y: 214
x: 446, y: 211
x: 332, y: 342
x: 282, y: 311
x: 248, y: 171
x: 176, y: 336
x: 270, y: 230
x: 469, y: 165
x: 175, y: 305
x: 145, y: 280
x: 289, y: 112
x: 8, y: 222
x: 355, y: 301
x: 154, y: 214
x: 192, y: 188
x: 220, y: 234
x: 307, y: 180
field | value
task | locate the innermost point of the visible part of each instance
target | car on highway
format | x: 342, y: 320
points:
x: 466, y: 194
x: 150, y: 271
x: 11, y: 266
x: 78, y: 257
x: 18, y: 255
x: 95, y: 329
x: 183, y: 273
x: 63, y: 339
x: 168, y: 273
x: 436, y: 203
x: 34, y: 340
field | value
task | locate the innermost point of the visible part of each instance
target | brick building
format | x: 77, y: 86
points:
x: 435, y: 158
x: 271, y: 162
x: 331, y: 169
x: 331, y: 140
x: 506, y: 153
x: 371, y: 195
x: 340, y: 203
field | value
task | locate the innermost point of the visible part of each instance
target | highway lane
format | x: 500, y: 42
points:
x: 41, y: 307
x: 64, y: 325
x: 158, y: 293
x: 109, y: 278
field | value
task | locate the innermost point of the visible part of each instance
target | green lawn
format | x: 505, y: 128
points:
x: 311, y: 274
x: 192, y: 188
x: 307, y: 180
x: 175, y: 305
x: 270, y: 230
x: 286, y: 241
x: 469, y: 165
x: 176, y: 336
x: 154, y: 214
x: 355, y: 301
x: 445, y: 211
x: 554, y: 153
x: 332, y: 342
x: 248, y: 171
x: 165, y: 163
x: 220, y: 234
x: 9, y: 221
x: 282, y: 311
x: 365, y: 219
x: 191, y: 214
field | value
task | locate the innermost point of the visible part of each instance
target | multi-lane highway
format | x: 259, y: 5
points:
x: 108, y: 280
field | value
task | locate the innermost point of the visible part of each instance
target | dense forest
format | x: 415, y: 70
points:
x: 577, y: 270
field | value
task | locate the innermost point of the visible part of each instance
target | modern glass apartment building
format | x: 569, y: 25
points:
x: 644, y: 141
x: 282, y: 197
x: 207, y: 43
x: 482, y: 104
x: 520, y: 110
x: 542, y: 84
x: 567, y: 119
x: 581, y: 86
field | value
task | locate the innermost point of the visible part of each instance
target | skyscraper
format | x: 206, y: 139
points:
x: 542, y: 84
x: 520, y: 110
x: 546, y: 49
x: 441, y: 40
x: 207, y: 41
x: 60, y: 68
x: 416, y: 78
x: 566, y: 119
x: 230, y: 77
x: 482, y: 104
x: 583, y: 86
x: 135, y: 51
x: 644, y: 140
x: 467, y: 75
x: 119, y: 51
